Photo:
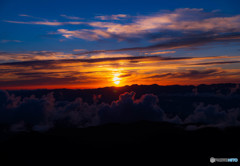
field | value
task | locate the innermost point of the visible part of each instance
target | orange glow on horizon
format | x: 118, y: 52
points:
x: 119, y: 73
x: 162, y: 83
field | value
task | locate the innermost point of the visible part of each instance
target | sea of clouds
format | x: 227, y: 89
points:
x: 43, y: 113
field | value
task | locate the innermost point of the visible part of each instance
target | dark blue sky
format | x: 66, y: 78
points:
x: 36, y: 37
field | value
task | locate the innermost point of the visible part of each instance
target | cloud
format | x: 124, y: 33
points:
x: 50, y: 23
x: 181, y: 28
x: 190, y: 41
x: 198, y: 74
x: 29, y: 16
x: 70, y: 17
x: 84, y: 34
x: 178, y: 20
x: 37, y: 112
x: 104, y: 56
x: 10, y: 41
x: 112, y: 17
x: 207, y: 114
x: 75, y: 114
x: 217, y: 63
x: 125, y: 75
x: 33, y: 56
x: 184, y: 20
x: 193, y: 74
x: 79, y: 50
x: 44, y: 112
x: 24, y: 15
x: 181, y: 20
x: 37, y: 80
x: 214, y: 115
x: 234, y: 89
x: 57, y: 57
x: 127, y: 109
x: 159, y: 53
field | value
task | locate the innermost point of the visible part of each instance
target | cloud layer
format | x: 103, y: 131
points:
x: 45, y: 112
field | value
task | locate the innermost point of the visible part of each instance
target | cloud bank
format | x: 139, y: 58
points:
x: 45, y: 112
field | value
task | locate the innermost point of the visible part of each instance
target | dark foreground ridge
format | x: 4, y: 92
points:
x: 146, y: 143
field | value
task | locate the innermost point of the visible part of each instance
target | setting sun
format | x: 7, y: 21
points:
x: 116, y: 79
x: 116, y: 82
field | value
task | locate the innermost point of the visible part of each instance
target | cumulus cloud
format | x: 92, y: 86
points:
x: 43, y: 113
x: 75, y: 114
x: 128, y: 109
x: 214, y: 115
x: 210, y: 114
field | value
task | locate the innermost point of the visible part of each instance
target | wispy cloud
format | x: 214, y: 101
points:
x: 86, y: 34
x: 159, y: 53
x: 182, y: 28
x: 188, y: 41
x: 190, y: 74
x: 29, y: 16
x: 24, y: 15
x: 217, y: 63
x: 112, y: 17
x: 178, y: 20
x: 104, y: 56
x: 33, y: 55
x: 10, y: 41
x: 79, y: 50
x: 71, y: 17
x: 50, y: 23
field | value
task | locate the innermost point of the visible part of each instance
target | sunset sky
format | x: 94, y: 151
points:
x: 92, y: 44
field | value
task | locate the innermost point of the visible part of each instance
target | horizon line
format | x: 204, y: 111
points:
x: 208, y: 84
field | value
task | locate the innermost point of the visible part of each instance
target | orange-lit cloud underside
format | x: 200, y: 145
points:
x: 118, y: 71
